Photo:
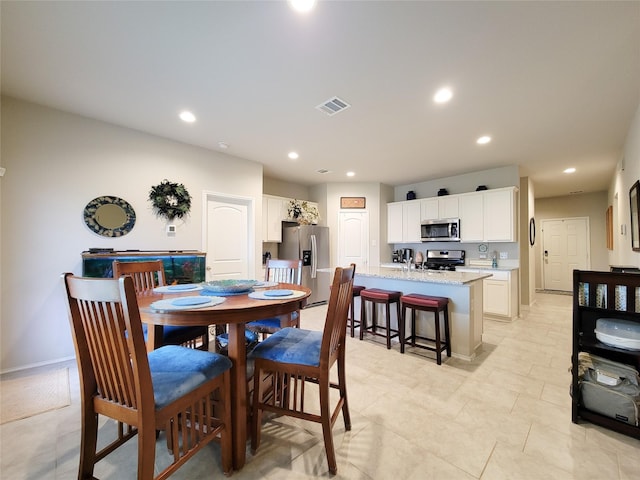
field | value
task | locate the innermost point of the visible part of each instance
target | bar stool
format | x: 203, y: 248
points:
x: 352, y: 322
x: 378, y: 296
x: 426, y: 303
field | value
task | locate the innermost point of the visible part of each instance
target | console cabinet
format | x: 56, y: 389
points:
x: 602, y: 295
x: 184, y: 266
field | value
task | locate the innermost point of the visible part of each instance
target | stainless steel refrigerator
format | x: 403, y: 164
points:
x: 311, y: 244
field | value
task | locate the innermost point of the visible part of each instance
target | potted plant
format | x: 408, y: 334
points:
x: 302, y: 212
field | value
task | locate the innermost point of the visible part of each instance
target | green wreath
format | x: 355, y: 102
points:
x: 170, y: 200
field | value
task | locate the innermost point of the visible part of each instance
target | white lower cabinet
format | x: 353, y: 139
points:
x: 496, y: 297
x: 499, y: 292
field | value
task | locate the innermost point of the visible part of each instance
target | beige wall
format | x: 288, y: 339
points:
x: 590, y: 205
x: 627, y: 173
x: 56, y: 163
x: 527, y: 251
x: 280, y: 188
x: 468, y: 182
x: 376, y: 195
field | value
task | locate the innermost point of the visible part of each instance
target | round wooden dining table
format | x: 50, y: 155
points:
x: 236, y: 311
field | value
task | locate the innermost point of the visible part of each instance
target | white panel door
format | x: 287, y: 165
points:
x: 353, y: 245
x: 565, y: 248
x: 227, y: 239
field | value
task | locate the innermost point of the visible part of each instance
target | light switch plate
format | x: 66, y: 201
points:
x: 504, y: 255
x: 171, y: 229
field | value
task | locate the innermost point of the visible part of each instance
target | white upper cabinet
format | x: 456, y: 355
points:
x: 403, y: 222
x: 411, y: 222
x: 439, y: 207
x: 429, y: 209
x: 448, y: 206
x: 489, y: 215
x: 471, y: 217
x: 500, y: 215
x: 274, y: 211
x: 394, y: 222
x: 485, y: 216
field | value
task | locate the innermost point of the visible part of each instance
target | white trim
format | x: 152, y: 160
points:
x: 36, y: 365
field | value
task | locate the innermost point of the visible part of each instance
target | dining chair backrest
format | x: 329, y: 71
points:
x: 171, y: 389
x: 146, y: 275
x: 291, y: 357
x: 110, y: 347
x: 335, y: 327
x: 284, y: 271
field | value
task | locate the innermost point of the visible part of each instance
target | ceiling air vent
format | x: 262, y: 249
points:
x: 333, y: 106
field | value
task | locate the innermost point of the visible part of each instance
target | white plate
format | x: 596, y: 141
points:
x: 261, y: 295
x: 170, y: 303
x: 190, y: 287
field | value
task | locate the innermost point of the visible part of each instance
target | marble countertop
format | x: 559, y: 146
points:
x: 426, y: 276
x: 398, y: 266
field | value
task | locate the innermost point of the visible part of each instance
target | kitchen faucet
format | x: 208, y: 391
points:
x: 407, y: 264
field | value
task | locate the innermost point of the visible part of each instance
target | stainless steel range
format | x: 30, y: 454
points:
x: 443, y: 260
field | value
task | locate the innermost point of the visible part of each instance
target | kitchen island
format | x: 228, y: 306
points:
x: 463, y: 289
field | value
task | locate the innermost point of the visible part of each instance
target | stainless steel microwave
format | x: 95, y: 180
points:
x: 442, y: 230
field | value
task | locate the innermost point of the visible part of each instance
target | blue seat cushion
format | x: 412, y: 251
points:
x: 176, y: 371
x: 268, y: 324
x: 250, y: 337
x: 172, y: 332
x: 291, y: 345
x: 265, y: 323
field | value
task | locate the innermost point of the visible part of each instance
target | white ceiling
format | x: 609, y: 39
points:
x: 555, y: 84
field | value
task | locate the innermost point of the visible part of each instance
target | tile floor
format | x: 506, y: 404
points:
x: 506, y: 415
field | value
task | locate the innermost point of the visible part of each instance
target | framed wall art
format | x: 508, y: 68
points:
x: 353, y: 202
x: 634, y: 199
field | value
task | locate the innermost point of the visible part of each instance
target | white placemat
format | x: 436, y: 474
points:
x: 261, y: 295
x: 168, y: 303
x: 187, y: 287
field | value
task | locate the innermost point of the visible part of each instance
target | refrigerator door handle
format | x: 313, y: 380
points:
x: 314, y: 256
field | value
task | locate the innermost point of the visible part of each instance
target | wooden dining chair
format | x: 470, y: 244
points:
x: 146, y: 276
x: 293, y: 357
x: 281, y: 271
x: 182, y: 391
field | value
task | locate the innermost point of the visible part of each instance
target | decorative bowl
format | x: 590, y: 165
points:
x: 228, y: 286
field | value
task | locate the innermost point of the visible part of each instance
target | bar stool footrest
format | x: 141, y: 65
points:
x: 412, y: 342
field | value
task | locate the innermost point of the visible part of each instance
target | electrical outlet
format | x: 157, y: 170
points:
x: 504, y: 255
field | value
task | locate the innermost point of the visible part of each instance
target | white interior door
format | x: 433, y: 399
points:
x: 227, y: 237
x: 353, y: 245
x: 565, y: 247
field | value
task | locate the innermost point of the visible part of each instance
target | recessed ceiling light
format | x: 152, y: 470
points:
x: 483, y: 140
x: 223, y: 145
x: 293, y: 155
x: 302, y: 6
x: 187, y: 116
x: 443, y: 95
x: 569, y: 170
x: 351, y: 174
